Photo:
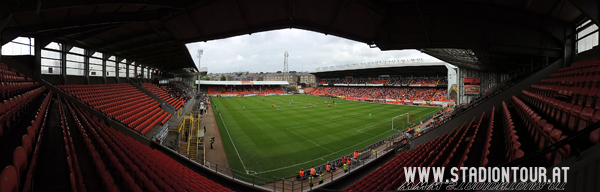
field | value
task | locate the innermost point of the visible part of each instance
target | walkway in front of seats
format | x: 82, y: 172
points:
x: 216, y: 155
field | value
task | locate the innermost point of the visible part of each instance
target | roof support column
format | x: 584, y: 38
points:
x: 127, y: 67
x: 142, y: 71
x: 37, y: 64
x: 104, y: 58
x: 0, y: 46
x: 568, y: 50
x: 118, y: 68
x: 63, y: 62
x: 135, y: 71
x: 86, y: 65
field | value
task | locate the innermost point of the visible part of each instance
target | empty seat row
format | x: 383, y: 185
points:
x: 100, y: 167
x: 590, y: 81
x: 488, y: 140
x: 592, y: 62
x: 579, y: 72
x: 12, y: 75
x: 17, y: 177
x: 543, y: 133
x: 513, y: 147
x: 12, y: 108
x: 161, y: 93
x: 123, y: 102
x: 10, y: 89
x: 75, y: 175
x: 138, y: 166
x: 36, y: 129
x: 575, y: 95
x: 572, y: 117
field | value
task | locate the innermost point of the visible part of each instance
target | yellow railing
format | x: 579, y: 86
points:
x: 190, y: 133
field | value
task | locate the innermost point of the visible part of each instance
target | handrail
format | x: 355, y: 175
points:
x: 571, y: 140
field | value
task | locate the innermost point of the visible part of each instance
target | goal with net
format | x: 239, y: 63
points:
x: 404, y: 121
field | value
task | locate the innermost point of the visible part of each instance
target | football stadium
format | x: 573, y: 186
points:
x: 107, y: 96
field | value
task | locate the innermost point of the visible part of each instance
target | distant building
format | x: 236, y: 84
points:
x: 279, y: 77
x: 306, y: 78
x: 292, y: 78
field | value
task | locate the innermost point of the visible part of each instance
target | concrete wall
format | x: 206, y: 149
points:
x: 487, y: 105
x: 54, y: 79
x: 111, y: 80
x: 78, y: 80
x: 96, y: 80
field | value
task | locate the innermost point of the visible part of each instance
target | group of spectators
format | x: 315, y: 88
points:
x: 390, y: 80
x: 440, y: 95
x: 425, y: 80
x: 398, y: 80
x: 343, y: 162
x: 179, y: 89
x: 418, y: 94
x: 355, y: 81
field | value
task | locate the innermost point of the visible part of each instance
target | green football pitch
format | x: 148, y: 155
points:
x: 271, y: 142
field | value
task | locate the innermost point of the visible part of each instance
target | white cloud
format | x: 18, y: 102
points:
x: 308, y: 50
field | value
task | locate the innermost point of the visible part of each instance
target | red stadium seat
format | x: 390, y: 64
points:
x: 9, y: 181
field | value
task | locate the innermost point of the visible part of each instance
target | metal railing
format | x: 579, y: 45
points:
x: 289, y: 184
x: 162, y: 133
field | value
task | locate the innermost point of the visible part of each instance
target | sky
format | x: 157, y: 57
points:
x: 263, y: 52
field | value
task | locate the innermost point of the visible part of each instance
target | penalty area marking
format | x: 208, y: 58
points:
x: 430, y: 113
x: 276, y: 169
x: 267, y: 171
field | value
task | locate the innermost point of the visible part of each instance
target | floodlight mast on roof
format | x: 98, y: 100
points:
x: 285, y: 66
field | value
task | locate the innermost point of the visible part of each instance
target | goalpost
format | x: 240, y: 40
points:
x: 403, y: 121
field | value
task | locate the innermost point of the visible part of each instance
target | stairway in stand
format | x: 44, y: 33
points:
x: 183, y: 149
x: 184, y: 142
x: 193, y: 145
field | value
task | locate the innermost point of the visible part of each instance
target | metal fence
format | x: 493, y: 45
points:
x: 292, y: 184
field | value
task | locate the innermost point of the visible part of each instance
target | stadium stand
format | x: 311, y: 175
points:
x: 161, y: 93
x: 122, y: 102
x: 420, y: 81
x: 134, y: 166
x: 374, y: 93
x: 559, y: 114
x: 557, y: 108
x: 20, y: 127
